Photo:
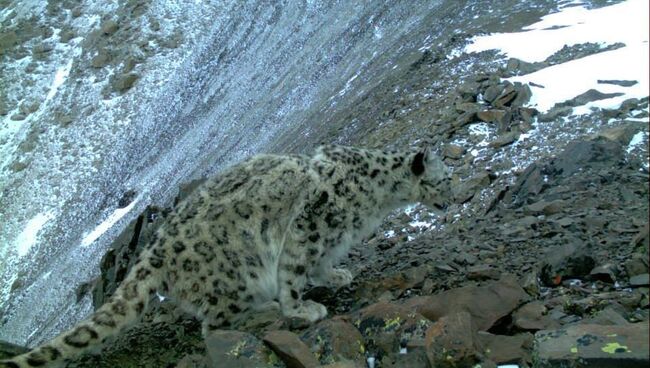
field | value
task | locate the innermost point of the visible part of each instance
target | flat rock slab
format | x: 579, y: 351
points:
x: 293, y: 352
x: 593, y: 346
x: 235, y: 349
x: 486, y: 304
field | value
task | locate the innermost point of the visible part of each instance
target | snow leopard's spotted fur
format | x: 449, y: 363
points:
x: 256, y: 234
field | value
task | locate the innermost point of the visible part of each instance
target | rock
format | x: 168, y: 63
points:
x: 343, y: 365
x: 466, y: 190
x: 497, y: 300
x: 293, y: 352
x: 532, y: 316
x: 586, y: 345
x: 608, y: 316
x: 569, y: 261
x: 109, y: 27
x: 335, y: 339
x: 507, y: 349
x: 387, y: 326
x: 589, y: 96
x: 192, y: 361
x: 18, y: 117
x: 492, y: 92
x: 9, y: 350
x: 453, y: 151
x: 545, y: 208
x: 416, y: 359
x: 491, y: 116
x: 530, y: 283
x: 464, y: 119
x: 640, y: 280
x: 519, y: 67
x: 471, y: 107
x: 465, y: 258
x: 468, y: 90
x: 527, y: 114
x: 506, y: 97
x: 637, y: 265
x: 8, y: 39
x: 621, y: 134
x: 523, y: 95
x: 579, y: 155
x: 554, y: 113
x: 124, y: 82
x: 101, y: 59
x: 452, y: 342
x: 483, y: 272
x: 235, y: 349
x: 605, y: 273
x: 504, y: 139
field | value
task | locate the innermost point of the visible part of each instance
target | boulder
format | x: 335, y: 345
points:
x: 586, y: 345
x: 291, y: 350
x: 486, y: 304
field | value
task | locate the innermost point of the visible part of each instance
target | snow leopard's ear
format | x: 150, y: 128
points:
x: 419, y: 162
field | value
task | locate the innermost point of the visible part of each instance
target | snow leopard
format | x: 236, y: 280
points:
x: 256, y: 235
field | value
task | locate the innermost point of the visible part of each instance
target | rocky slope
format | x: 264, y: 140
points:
x: 542, y: 261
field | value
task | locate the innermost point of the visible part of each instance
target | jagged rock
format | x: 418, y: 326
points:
x: 470, y: 107
x: 605, y: 272
x: 335, y: 339
x: 637, y: 265
x: 498, y: 299
x: 532, y: 316
x: 464, y: 119
x: 519, y: 67
x: 545, y: 208
x: 452, y: 341
x: 640, y: 280
x: 453, y: 151
x: 235, y: 349
x: 124, y: 82
x: 491, y: 116
x: 523, y: 95
x: 505, y: 139
x: 530, y: 283
x: 293, y: 352
x: 622, y: 83
x: 483, y: 272
x: 527, y: 114
x: 492, y: 92
x: 386, y: 327
x: 585, y: 345
x: 101, y: 59
x: 109, y: 27
x: 554, y: 113
x: 586, y: 97
x: 506, y: 97
x: 503, y: 349
x: 465, y: 259
x: 192, y: 361
x: 608, y: 316
x: 466, y: 190
x: 569, y: 261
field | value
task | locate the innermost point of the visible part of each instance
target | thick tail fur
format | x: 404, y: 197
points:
x: 121, y: 310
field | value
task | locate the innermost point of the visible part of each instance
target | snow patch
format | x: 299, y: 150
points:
x: 636, y: 141
x: 59, y: 78
x: 626, y: 22
x: 28, y: 237
x: 107, y: 224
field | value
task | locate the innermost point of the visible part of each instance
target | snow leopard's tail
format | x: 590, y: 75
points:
x: 121, y: 310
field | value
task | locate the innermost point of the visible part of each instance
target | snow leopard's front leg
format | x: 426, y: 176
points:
x: 292, y: 278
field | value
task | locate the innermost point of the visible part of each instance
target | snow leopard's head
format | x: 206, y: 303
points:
x: 432, y: 179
